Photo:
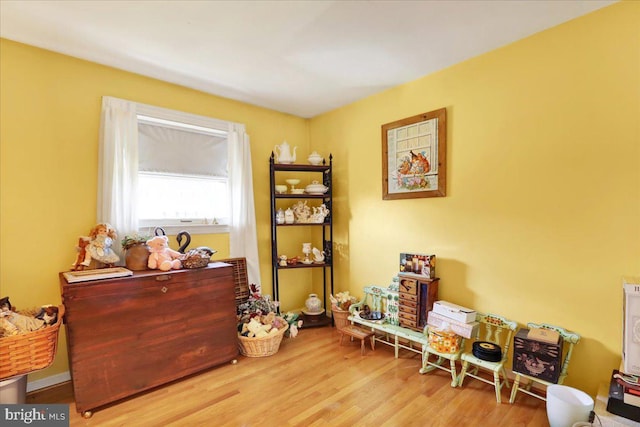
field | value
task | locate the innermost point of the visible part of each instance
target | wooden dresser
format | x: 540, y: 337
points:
x: 416, y: 298
x: 130, y: 334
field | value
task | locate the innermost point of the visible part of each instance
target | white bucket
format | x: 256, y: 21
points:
x: 567, y: 406
x: 13, y: 390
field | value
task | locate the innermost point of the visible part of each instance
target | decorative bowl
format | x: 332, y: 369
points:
x: 316, y: 188
x: 292, y: 181
x: 297, y: 191
x: 280, y: 189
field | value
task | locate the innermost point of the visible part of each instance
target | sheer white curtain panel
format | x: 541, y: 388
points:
x: 118, y: 166
x: 243, y: 240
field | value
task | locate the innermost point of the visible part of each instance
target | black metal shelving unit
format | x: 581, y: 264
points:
x: 327, y: 226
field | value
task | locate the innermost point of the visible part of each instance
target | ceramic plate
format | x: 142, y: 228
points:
x: 373, y: 315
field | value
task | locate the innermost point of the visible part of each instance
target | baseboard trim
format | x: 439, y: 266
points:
x: 48, y: 381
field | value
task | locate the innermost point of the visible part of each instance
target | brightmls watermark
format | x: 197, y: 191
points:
x: 53, y: 415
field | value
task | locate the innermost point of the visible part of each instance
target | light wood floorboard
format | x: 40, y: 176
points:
x: 313, y: 381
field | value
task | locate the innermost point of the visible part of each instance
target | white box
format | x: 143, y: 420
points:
x: 455, y: 312
x: 631, y: 335
x: 466, y: 330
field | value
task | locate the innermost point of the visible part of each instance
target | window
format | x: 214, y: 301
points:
x: 182, y: 172
x: 119, y: 166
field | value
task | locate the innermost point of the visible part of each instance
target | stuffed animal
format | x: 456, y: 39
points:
x: 48, y: 314
x: 256, y: 329
x: 5, y: 304
x: 7, y: 328
x: 13, y: 323
x: 83, y: 242
x: 162, y: 257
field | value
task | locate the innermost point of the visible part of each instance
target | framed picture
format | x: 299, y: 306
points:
x: 414, y: 156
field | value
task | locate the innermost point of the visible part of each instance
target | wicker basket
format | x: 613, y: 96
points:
x: 195, y: 262
x: 340, y: 317
x: 25, y: 353
x: 261, y: 347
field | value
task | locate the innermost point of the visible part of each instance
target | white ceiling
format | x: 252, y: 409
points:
x: 298, y: 57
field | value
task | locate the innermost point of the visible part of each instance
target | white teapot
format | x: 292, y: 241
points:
x: 283, y: 153
x: 315, y: 158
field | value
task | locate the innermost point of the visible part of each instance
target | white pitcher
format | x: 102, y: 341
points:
x: 283, y: 153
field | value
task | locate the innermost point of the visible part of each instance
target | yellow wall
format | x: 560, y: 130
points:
x: 49, y: 116
x: 542, y: 214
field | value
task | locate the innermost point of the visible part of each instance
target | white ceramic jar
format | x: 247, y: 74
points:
x: 289, y: 218
x: 313, y: 304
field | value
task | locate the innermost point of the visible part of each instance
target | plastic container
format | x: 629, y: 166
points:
x: 13, y: 390
x: 567, y: 406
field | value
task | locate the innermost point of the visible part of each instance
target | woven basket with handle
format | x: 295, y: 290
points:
x: 25, y: 353
x: 340, y: 317
x: 261, y: 347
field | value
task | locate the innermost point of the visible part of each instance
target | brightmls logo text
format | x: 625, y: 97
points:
x: 27, y: 416
x: 35, y: 415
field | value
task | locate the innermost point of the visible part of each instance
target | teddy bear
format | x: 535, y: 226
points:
x: 256, y: 329
x: 83, y: 242
x: 162, y: 257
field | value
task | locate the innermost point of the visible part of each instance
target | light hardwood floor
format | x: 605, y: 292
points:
x: 313, y: 381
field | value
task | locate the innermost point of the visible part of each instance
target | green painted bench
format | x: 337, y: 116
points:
x: 387, y: 331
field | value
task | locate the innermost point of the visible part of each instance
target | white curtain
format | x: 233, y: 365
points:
x: 118, y: 166
x: 243, y: 240
x: 118, y: 180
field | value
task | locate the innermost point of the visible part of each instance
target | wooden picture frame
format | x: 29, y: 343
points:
x: 414, y: 154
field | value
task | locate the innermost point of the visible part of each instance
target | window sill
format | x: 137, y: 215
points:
x: 191, y: 228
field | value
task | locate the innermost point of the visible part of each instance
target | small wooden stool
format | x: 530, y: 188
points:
x: 358, y: 333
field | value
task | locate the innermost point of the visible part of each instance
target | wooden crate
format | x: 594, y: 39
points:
x: 240, y: 278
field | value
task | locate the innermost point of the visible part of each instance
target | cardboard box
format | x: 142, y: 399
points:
x: 542, y: 334
x: 423, y: 265
x: 455, y: 312
x: 465, y: 330
x: 631, y: 327
x: 536, y: 358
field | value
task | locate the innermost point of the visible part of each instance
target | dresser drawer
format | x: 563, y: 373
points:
x: 409, y: 310
x: 408, y: 298
x: 408, y: 324
x: 406, y: 316
x: 408, y: 286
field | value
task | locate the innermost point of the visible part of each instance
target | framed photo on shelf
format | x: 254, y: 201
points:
x: 414, y: 156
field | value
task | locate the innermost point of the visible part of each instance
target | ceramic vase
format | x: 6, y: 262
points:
x: 136, y: 257
x: 313, y: 304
